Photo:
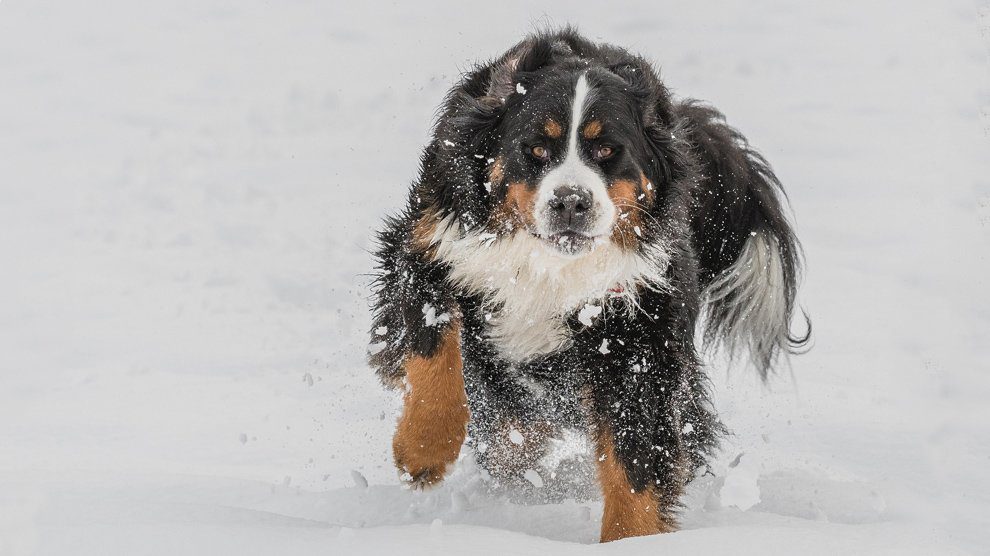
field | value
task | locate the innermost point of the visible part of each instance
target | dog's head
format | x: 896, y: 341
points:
x: 575, y: 142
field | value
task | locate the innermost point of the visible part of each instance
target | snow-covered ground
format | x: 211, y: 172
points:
x: 187, y: 194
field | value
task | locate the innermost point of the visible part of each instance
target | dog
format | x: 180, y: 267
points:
x: 573, y: 229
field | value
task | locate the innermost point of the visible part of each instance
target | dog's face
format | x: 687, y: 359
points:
x: 555, y: 178
x: 569, y: 165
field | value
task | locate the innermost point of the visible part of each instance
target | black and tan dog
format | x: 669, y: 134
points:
x: 571, y: 225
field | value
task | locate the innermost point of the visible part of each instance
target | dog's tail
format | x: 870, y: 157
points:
x: 749, y: 258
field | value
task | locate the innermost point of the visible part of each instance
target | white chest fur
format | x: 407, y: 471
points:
x: 529, y: 288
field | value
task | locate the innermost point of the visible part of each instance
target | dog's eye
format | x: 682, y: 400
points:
x: 540, y: 153
x: 601, y: 153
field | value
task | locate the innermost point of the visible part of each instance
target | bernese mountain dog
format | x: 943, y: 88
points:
x: 572, y: 229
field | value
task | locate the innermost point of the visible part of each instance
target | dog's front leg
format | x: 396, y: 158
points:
x: 633, y: 506
x: 417, y: 347
x: 435, y: 414
x: 640, y: 453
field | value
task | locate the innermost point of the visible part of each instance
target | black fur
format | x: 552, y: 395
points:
x: 712, y: 192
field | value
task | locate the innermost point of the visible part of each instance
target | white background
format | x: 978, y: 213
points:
x: 187, y: 195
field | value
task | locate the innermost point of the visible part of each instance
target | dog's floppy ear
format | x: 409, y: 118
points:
x: 530, y: 55
x: 642, y: 85
x: 669, y: 160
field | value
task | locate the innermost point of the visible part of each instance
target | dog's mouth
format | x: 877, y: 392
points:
x: 569, y: 242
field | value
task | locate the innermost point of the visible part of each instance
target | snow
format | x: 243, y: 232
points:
x: 740, y: 487
x: 589, y: 312
x: 603, y: 349
x: 359, y: 480
x: 431, y: 318
x: 533, y: 477
x: 516, y: 437
x: 189, y: 190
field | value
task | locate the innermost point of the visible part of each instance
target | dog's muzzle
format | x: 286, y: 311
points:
x: 570, y: 218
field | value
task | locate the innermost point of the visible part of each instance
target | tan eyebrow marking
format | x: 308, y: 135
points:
x: 592, y: 129
x: 553, y: 129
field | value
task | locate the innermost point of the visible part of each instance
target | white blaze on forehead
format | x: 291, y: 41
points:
x: 581, y: 93
x: 576, y: 172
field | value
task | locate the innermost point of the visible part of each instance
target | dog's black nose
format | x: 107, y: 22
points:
x: 571, y: 206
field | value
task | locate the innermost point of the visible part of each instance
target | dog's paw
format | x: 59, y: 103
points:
x: 422, y: 479
x: 424, y: 454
